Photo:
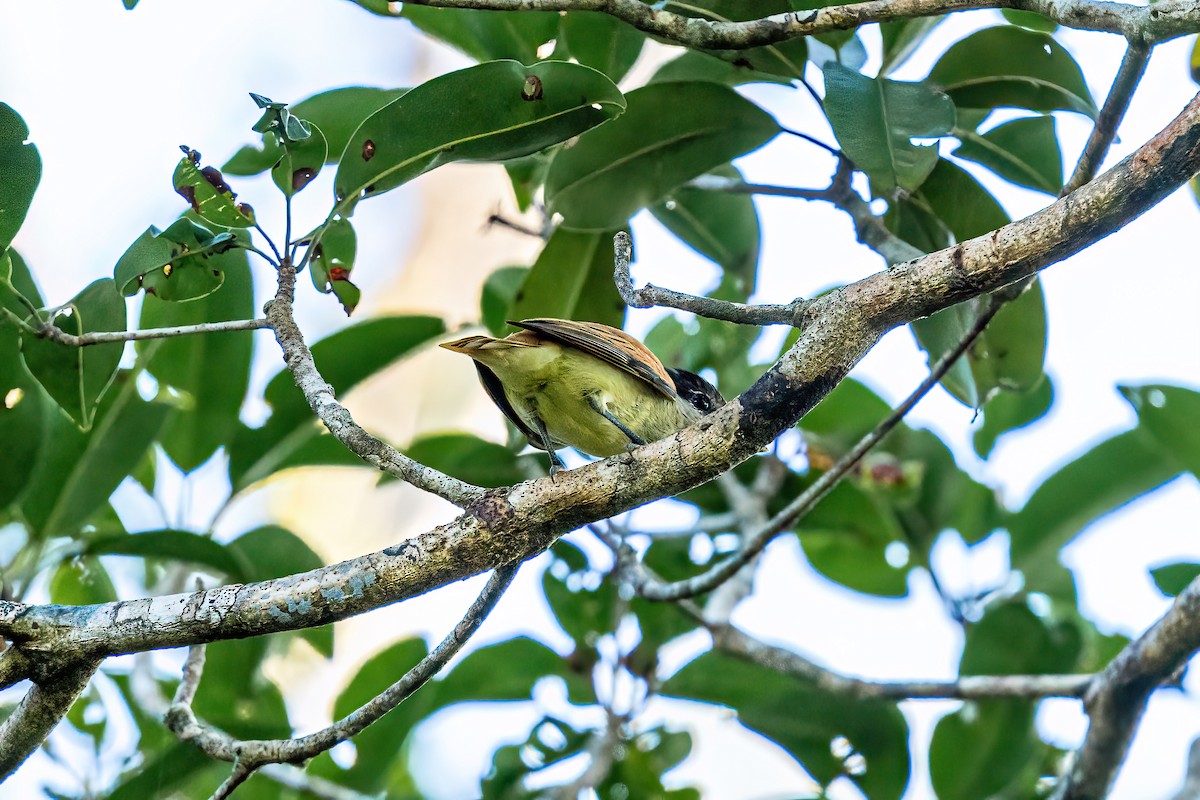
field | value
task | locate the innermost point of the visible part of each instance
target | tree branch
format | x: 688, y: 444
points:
x: 729, y: 639
x: 649, y: 296
x: 39, y: 711
x: 1158, y: 23
x: 336, y: 417
x: 508, y: 525
x: 754, y: 542
x: 56, y: 334
x: 1133, y: 66
x: 1117, y: 698
x: 248, y: 756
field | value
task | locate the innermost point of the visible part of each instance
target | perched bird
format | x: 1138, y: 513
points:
x: 585, y: 385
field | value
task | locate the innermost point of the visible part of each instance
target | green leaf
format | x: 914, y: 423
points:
x: 486, y: 35
x: 601, y: 42
x: 337, y: 112
x: 1024, y: 151
x: 1169, y: 415
x: 300, y: 161
x: 1029, y: 19
x: 694, y: 65
x: 981, y: 751
x: 81, y: 582
x: 722, y: 226
x: 77, y: 377
x: 901, y: 39
x: 21, y: 167
x: 504, y: 671
x: 1008, y: 411
x: 176, y: 264
x: 22, y: 401
x: 173, y: 545
x: 491, y: 112
x: 1171, y: 579
x: 346, y: 358
x: 78, y: 471
x: 1006, y: 66
x: 875, y: 119
x: 334, y: 255
x: 584, y: 605
x: 572, y: 279
x: 207, y: 416
x: 846, y: 537
x: 1111, y: 474
x: 161, y: 772
x: 380, y: 748
x: 499, y: 291
x: 234, y: 694
x: 272, y: 552
x: 669, y: 134
x: 472, y: 459
x: 208, y: 193
x: 766, y: 702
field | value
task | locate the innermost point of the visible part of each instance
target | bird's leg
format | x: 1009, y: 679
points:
x: 599, y: 408
x: 556, y: 463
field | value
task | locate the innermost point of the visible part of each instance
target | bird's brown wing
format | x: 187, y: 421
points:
x: 610, y: 345
x: 495, y: 390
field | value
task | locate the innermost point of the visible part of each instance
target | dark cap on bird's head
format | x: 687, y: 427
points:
x: 697, y: 391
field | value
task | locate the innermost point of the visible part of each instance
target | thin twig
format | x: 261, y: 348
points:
x: 1133, y: 66
x: 650, y: 295
x: 249, y: 755
x: 729, y: 639
x: 270, y: 243
x: 337, y: 418
x: 813, y: 140
x: 56, y: 334
x: 755, y: 542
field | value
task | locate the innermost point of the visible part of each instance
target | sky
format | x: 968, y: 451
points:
x: 109, y: 95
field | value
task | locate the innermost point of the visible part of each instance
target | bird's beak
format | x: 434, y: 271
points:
x: 466, y: 345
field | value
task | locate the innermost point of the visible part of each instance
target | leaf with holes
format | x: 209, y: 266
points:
x: 208, y: 193
x: 491, y: 112
x: 300, y: 161
x: 176, y: 264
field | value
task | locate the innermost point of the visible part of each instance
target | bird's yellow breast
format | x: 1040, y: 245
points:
x: 555, y: 383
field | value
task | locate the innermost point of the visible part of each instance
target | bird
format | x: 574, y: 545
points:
x: 566, y: 383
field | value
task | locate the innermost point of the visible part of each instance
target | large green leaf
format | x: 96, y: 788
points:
x: 176, y: 264
x: 486, y: 35
x: 1024, y: 151
x: 722, y: 226
x: 1008, y: 411
x: 601, y: 42
x: 1171, y: 579
x: 499, y: 291
x: 669, y: 134
x: 572, y: 279
x: 472, y: 459
x: 985, y: 748
x: 379, y: 750
x: 1171, y: 415
x: 77, y: 377
x: 693, y: 65
x: 81, y: 582
x: 272, y: 552
x: 22, y: 400
x: 875, y: 120
x: 491, y: 112
x: 846, y: 537
x: 1111, y: 474
x: 507, y: 670
x: 173, y: 545
x: 207, y: 416
x: 1006, y: 66
x: 337, y: 112
x: 235, y: 695
x: 345, y: 359
x: 1009, y: 355
x: 78, y: 471
x: 804, y: 720
x: 21, y: 167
